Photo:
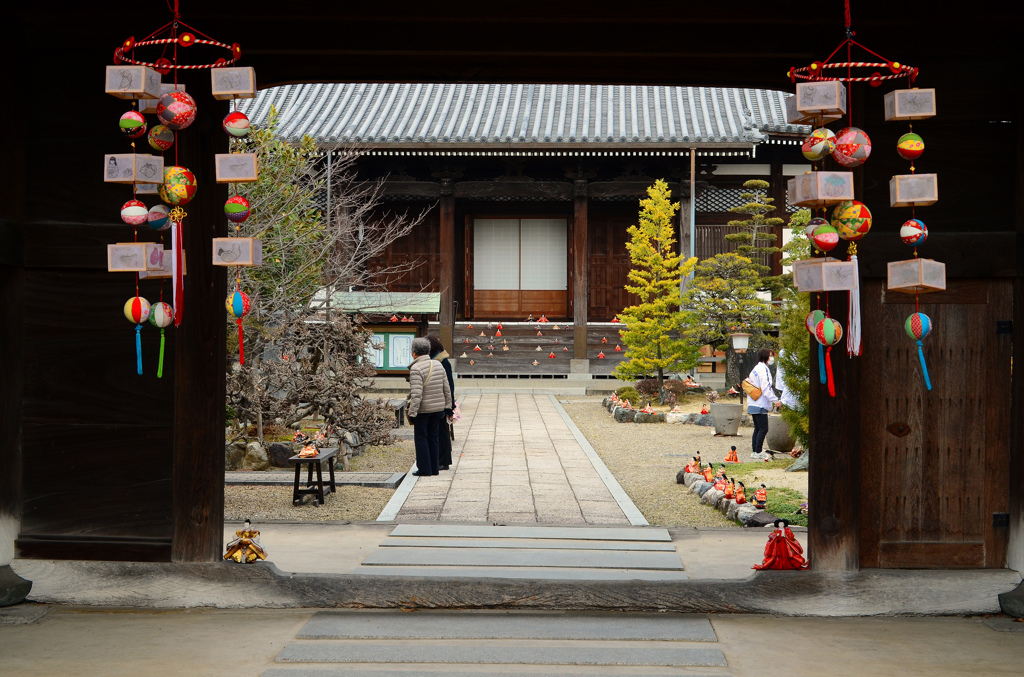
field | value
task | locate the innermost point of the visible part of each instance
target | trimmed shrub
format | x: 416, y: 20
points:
x: 648, y: 389
x: 629, y: 393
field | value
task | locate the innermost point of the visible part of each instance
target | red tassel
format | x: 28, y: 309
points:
x: 241, y: 345
x: 828, y: 370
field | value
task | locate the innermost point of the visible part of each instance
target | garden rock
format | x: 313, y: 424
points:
x: 676, y: 418
x: 605, y: 401
x: 641, y: 417
x: 692, y: 477
x: 801, y: 463
x: 279, y: 453
x: 703, y: 488
x: 351, y: 438
x: 711, y: 496
x: 255, y: 457
x: 624, y: 415
x: 746, y: 421
x: 779, y: 437
x: 745, y: 512
x: 233, y: 455
x: 705, y: 420
x: 732, y: 510
x: 681, y: 477
x: 760, y: 519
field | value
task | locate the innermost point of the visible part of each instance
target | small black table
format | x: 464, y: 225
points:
x: 328, y: 455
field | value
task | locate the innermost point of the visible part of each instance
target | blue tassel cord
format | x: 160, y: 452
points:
x: 924, y: 367
x: 138, y: 348
x: 822, y: 376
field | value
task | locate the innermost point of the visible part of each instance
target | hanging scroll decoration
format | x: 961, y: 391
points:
x: 824, y: 91
x: 137, y: 76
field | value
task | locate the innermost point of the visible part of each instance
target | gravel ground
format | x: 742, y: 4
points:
x: 348, y: 503
x: 646, y: 457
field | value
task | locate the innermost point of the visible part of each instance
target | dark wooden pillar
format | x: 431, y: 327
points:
x: 580, y: 284
x: 446, y: 316
x: 777, y: 191
x: 1015, y: 546
x: 834, y: 476
x: 200, y: 342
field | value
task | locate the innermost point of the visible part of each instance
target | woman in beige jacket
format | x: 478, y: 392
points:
x: 430, y: 396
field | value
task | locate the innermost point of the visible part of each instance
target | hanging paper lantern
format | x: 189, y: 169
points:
x: 136, y: 309
x: 918, y: 326
x: 825, y: 237
x: 828, y: 332
x: 236, y: 124
x: 914, y: 232
x: 910, y: 146
x: 812, y: 224
x: 853, y: 146
x: 236, y: 209
x: 160, y: 137
x: 820, y: 143
x: 852, y: 219
x: 239, y: 305
x: 177, y: 110
x: 132, y: 124
x: 134, y: 212
x: 179, y: 186
x: 161, y: 316
x: 159, y: 217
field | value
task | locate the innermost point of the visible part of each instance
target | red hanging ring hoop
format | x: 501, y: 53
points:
x: 121, y: 54
x: 816, y: 71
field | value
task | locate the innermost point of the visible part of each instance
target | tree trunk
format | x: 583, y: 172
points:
x: 732, y: 368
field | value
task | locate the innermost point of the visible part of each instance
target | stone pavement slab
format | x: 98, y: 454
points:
x: 515, y: 557
x: 517, y: 457
x: 524, y: 543
x: 528, y: 573
x: 588, y: 533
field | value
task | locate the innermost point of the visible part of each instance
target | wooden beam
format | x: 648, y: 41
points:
x: 626, y: 188
x: 446, y: 316
x: 199, y: 344
x: 580, y: 252
x: 550, y: 190
x: 833, y: 534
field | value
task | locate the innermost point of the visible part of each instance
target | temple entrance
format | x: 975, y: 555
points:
x: 517, y: 267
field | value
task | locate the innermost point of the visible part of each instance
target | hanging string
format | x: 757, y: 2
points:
x: 924, y: 367
x: 138, y: 348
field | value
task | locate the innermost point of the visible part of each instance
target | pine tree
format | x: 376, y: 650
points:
x: 795, y: 356
x: 723, y: 298
x: 653, y: 327
x: 755, y: 237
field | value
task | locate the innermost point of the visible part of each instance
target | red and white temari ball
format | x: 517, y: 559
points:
x: 132, y: 124
x: 161, y: 315
x: 136, y: 309
x: 159, y: 217
x: 853, y: 146
x: 913, y: 232
x: 820, y: 143
x: 236, y: 124
x: 852, y: 219
x: 812, y: 225
x: 177, y: 110
x: 160, y: 137
x: 828, y: 332
x: 813, y: 318
x: 134, y: 212
x: 910, y: 146
x: 236, y: 209
x: 825, y: 237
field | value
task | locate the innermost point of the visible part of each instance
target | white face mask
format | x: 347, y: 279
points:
x: 771, y: 361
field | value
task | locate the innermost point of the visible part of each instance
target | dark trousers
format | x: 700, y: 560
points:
x: 444, y: 440
x: 425, y: 432
x: 760, y: 432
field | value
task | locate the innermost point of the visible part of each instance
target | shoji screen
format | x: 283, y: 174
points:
x: 496, y: 253
x: 543, y: 260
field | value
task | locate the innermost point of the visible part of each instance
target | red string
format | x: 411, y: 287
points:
x: 828, y: 371
x: 847, y: 7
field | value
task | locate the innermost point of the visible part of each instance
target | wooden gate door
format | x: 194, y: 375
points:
x: 934, y: 464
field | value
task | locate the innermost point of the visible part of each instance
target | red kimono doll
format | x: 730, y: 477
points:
x: 783, y: 551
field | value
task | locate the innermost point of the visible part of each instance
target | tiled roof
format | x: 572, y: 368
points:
x: 396, y: 115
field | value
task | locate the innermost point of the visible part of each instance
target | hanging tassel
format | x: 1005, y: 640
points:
x: 828, y: 370
x: 924, y: 367
x: 241, y: 346
x: 138, y: 348
x: 177, y: 273
x: 821, y: 365
x: 853, y: 327
x: 160, y: 364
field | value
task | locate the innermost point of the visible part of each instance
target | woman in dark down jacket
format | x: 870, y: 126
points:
x: 438, y: 353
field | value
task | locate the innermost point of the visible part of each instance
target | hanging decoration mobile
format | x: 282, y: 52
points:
x: 824, y: 92
x: 137, y: 76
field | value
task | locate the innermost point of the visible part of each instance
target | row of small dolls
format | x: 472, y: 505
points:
x: 733, y: 489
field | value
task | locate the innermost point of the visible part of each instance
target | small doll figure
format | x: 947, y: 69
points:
x: 761, y: 497
x: 246, y: 546
x: 704, y: 409
x: 730, y: 489
x: 300, y: 437
x: 721, y: 482
x: 709, y: 473
x: 783, y: 551
x: 691, y: 467
x: 740, y: 495
x: 648, y: 409
x: 731, y: 457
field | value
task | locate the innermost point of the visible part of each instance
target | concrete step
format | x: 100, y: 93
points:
x: 492, y: 671
x: 543, y: 544
x: 505, y: 653
x: 513, y: 557
x: 531, y: 573
x: 372, y: 624
x: 562, y: 533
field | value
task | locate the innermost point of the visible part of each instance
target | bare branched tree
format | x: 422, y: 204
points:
x: 322, y: 229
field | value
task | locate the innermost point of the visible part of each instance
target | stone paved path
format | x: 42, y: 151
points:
x: 515, y: 460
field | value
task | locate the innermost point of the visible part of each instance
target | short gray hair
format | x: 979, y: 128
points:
x: 420, y: 346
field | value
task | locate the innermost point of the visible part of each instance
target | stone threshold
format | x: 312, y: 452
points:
x: 383, y: 480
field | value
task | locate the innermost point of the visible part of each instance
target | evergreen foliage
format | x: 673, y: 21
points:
x: 756, y: 238
x: 794, y: 340
x: 654, y: 326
